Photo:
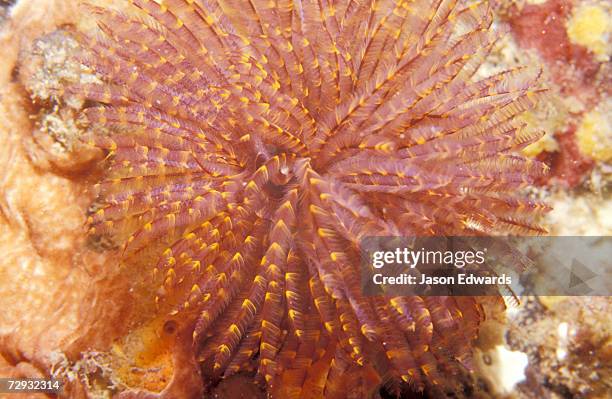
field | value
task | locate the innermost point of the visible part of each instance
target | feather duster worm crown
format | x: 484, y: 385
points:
x: 259, y: 141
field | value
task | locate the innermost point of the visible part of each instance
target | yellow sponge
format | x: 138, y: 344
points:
x: 590, y: 25
x: 594, y: 134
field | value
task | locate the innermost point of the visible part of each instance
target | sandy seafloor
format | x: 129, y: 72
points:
x: 59, y: 303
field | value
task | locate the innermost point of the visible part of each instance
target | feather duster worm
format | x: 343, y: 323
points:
x: 255, y: 143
